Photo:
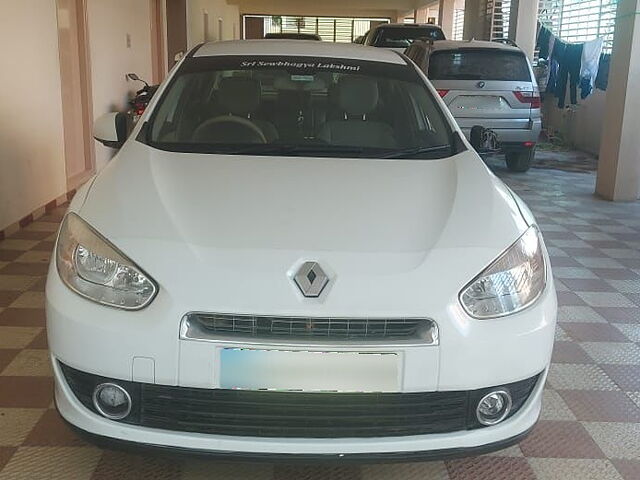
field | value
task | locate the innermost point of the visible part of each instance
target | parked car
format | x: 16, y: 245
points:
x: 361, y: 288
x: 490, y: 84
x: 292, y: 36
x: 399, y: 36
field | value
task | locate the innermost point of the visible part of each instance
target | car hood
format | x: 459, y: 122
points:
x: 227, y: 232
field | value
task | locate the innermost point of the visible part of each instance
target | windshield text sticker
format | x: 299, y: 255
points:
x: 333, y: 66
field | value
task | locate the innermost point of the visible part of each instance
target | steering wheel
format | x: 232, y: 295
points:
x: 228, y: 129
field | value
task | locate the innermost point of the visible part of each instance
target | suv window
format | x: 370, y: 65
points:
x: 403, y: 37
x: 299, y: 106
x: 478, y: 64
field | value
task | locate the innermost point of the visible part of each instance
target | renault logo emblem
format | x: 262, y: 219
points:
x: 311, y: 279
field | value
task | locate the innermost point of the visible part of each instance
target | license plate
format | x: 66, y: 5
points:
x: 251, y: 369
x: 479, y: 102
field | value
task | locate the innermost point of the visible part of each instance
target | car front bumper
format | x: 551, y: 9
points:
x: 298, y: 458
x: 378, y: 449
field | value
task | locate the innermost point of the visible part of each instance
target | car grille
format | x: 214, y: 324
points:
x: 297, y: 414
x: 227, y: 325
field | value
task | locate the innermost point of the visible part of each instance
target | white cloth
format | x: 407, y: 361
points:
x: 591, y: 59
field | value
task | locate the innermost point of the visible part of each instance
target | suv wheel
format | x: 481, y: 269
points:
x: 519, y: 160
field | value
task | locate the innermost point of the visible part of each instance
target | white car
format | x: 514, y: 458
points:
x: 298, y: 256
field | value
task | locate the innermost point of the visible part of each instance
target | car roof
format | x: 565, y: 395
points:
x: 466, y: 44
x: 299, y: 48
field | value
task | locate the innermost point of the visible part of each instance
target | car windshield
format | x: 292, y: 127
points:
x: 403, y: 37
x: 478, y: 64
x: 299, y: 106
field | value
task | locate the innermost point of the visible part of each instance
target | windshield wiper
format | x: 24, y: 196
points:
x: 413, y: 152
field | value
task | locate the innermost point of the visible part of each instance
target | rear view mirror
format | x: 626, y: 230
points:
x: 110, y: 129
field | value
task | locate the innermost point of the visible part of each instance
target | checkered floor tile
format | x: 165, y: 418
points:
x: 590, y: 425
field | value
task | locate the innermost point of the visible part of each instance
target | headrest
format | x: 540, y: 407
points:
x: 288, y: 83
x: 357, y: 95
x: 240, y: 96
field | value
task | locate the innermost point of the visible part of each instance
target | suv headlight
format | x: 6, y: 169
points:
x: 90, y: 266
x: 511, y: 283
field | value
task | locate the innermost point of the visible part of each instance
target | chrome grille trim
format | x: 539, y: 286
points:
x: 227, y: 327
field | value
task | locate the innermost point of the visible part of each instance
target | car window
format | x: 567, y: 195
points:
x: 403, y: 37
x: 477, y: 64
x: 289, y: 106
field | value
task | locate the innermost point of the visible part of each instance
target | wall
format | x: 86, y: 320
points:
x: 326, y: 8
x: 112, y: 56
x: 581, y: 125
x: 216, y: 9
x: 32, y: 164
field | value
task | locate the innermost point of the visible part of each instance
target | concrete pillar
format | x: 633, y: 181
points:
x: 472, y: 24
x: 445, y: 16
x: 523, y: 24
x: 619, y: 162
x: 421, y: 15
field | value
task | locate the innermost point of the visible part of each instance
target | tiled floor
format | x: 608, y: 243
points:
x: 590, y: 426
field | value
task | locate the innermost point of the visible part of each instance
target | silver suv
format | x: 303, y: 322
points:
x: 489, y: 84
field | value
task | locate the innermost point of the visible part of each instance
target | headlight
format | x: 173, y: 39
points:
x: 92, y: 267
x: 512, y: 282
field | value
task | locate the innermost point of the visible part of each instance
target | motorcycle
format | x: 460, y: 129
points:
x: 139, y: 102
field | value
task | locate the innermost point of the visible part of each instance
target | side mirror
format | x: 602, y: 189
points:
x: 136, y: 78
x: 110, y: 129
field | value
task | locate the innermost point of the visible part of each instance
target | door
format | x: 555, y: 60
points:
x: 253, y: 27
x: 75, y: 76
x: 158, y: 56
x: 176, y: 30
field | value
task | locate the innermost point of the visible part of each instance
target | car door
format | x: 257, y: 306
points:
x: 490, y: 87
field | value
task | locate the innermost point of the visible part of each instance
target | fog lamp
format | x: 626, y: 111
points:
x: 112, y: 401
x: 493, y: 407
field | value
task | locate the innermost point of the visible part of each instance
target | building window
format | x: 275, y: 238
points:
x: 578, y: 21
x: 330, y: 29
x: 458, y: 23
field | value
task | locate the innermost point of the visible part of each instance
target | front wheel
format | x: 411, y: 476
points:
x: 519, y: 160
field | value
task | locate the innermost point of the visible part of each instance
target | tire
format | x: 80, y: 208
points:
x: 519, y: 160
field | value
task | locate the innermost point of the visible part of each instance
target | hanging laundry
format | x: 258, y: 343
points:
x: 569, y: 73
x: 591, y: 52
x: 552, y: 41
x: 602, y: 79
x: 543, y: 42
x: 554, y: 65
